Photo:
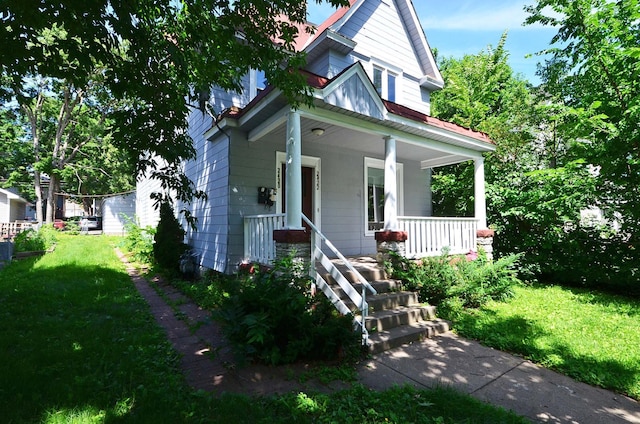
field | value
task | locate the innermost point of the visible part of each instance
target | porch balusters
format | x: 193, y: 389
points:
x: 430, y: 236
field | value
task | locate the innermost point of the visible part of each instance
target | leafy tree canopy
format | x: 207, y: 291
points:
x: 482, y: 93
x: 158, y: 57
x: 596, y: 70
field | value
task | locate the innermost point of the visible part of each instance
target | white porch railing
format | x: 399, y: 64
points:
x: 10, y: 229
x: 259, y: 245
x: 428, y: 236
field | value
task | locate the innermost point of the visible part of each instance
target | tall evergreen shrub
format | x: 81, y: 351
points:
x: 168, y: 240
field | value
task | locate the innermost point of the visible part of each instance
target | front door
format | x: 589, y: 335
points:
x: 307, y: 193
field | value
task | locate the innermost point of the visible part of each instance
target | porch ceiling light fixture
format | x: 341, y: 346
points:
x: 317, y: 131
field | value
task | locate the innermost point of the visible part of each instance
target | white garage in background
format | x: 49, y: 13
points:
x: 117, y: 211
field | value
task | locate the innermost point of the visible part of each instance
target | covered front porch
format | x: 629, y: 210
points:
x: 356, y: 166
x: 363, y: 180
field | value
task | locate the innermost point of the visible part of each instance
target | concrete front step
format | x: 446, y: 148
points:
x: 393, y: 300
x: 388, y: 339
x: 381, y: 302
x: 403, y: 315
x: 381, y: 286
x: 395, y: 316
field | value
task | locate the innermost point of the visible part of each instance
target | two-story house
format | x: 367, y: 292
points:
x: 357, y: 164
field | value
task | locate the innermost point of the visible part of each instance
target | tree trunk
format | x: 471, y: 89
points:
x: 32, y: 113
x: 38, y: 189
x: 51, y: 199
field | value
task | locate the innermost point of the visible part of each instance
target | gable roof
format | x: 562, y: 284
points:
x: 321, y: 83
x: 12, y: 196
x: 432, y: 77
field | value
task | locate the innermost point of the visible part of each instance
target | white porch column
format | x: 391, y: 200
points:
x: 390, y: 186
x: 480, y: 203
x: 293, y: 176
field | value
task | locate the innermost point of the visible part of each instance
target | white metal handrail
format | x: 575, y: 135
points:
x: 358, y: 299
x: 430, y: 236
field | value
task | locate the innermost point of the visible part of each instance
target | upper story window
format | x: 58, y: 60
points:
x: 257, y: 82
x: 386, y: 81
x: 261, y: 81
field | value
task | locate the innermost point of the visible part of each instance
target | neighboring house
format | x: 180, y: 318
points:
x: 360, y: 159
x: 12, y: 206
x: 14, y: 214
x: 116, y: 212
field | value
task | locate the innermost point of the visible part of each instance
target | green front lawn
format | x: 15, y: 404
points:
x: 79, y: 345
x: 590, y: 336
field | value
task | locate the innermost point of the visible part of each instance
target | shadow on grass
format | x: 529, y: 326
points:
x: 78, y: 340
x: 621, y: 304
x: 80, y: 345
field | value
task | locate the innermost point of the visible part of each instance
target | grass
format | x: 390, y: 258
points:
x: 590, y: 336
x: 79, y: 345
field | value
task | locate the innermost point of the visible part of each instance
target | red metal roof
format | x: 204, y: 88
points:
x: 316, y: 81
x: 335, y: 17
x: 320, y: 82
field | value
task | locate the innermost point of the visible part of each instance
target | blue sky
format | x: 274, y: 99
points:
x: 459, y: 27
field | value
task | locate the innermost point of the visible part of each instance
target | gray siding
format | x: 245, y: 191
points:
x: 252, y: 166
x: 378, y: 30
x: 338, y: 62
x: 352, y: 95
x: 343, y: 196
x: 18, y: 211
x: 210, y: 174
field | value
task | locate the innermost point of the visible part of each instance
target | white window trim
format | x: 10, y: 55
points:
x: 387, y: 69
x: 379, y: 164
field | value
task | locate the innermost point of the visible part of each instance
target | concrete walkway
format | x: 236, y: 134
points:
x: 448, y: 360
x: 497, y: 378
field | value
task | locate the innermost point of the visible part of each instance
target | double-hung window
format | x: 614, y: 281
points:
x: 374, y: 189
x: 385, y: 81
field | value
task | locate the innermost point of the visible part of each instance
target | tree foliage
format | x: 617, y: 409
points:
x: 597, y: 52
x: 15, y: 155
x: 482, y: 93
x: 158, y: 58
x: 168, y: 239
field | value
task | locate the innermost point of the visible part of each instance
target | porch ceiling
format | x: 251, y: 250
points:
x: 432, y: 145
x: 365, y: 141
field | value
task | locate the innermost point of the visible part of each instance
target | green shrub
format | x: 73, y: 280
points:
x: 32, y: 240
x: 72, y: 227
x: 271, y: 317
x: 139, y: 241
x: 210, y: 290
x: 455, y: 282
x: 589, y: 257
x: 168, y: 240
